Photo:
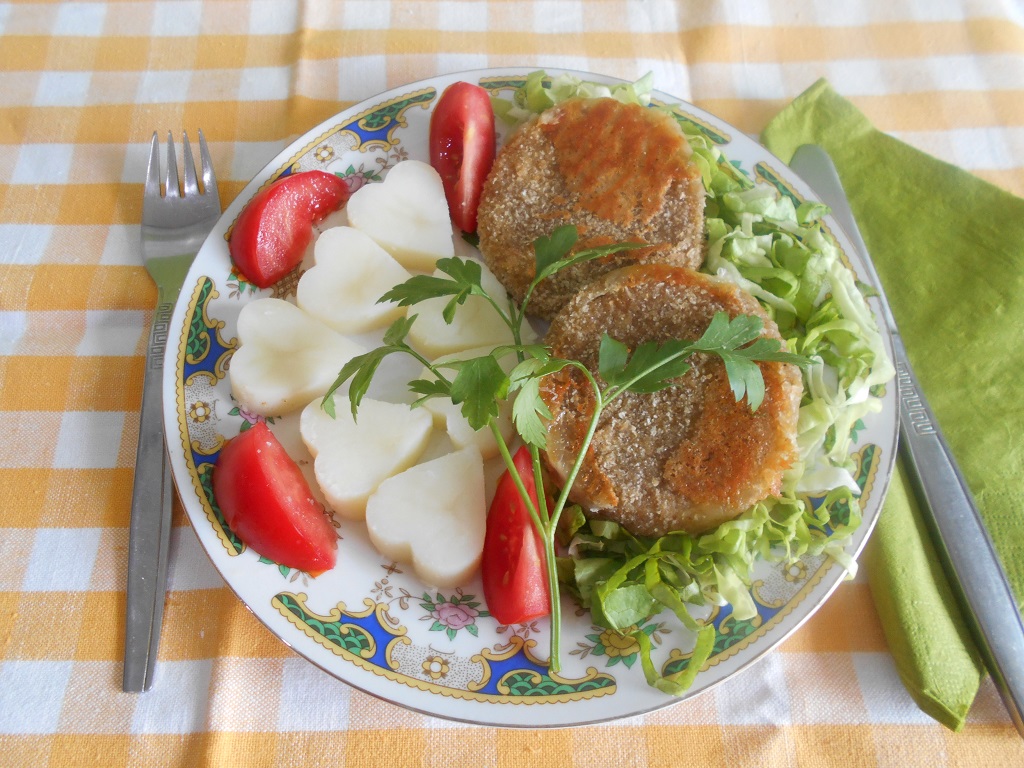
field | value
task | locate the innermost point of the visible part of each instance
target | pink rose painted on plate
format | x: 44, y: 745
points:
x: 452, y: 614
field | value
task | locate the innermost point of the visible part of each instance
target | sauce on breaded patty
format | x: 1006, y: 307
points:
x: 684, y: 458
x: 639, y: 156
x: 618, y: 172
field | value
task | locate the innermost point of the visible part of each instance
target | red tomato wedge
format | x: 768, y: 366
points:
x: 462, y: 142
x: 266, y: 501
x: 273, y: 230
x: 513, y: 564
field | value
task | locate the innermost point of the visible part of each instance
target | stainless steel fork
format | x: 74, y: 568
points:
x: 174, y: 226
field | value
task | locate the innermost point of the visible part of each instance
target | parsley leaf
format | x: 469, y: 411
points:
x: 462, y: 281
x: 549, y: 250
x: 420, y: 288
x: 612, y: 357
x: 739, y: 343
x: 398, y: 330
x: 652, y: 366
x: 744, y: 378
x: 726, y: 333
x: 588, y: 254
x: 465, y: 272
x: 530, y: 413
x: 361, y: 370
x: 551, y: 254
x: 479, y: 385
x: 429, y: 388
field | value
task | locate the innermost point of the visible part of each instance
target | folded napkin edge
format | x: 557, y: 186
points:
x: 943, y: 678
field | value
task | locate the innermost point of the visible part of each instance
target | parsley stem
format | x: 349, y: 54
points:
x: 430, y: 366
x: 507, y: 317
x: 570, y: 478
x: 554, y: 661
x: 545, y: 527
x: 547, y: 532
x: 614, y: 391
x: 506, y: 456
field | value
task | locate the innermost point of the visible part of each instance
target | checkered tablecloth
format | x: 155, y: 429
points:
x: 82, y: 87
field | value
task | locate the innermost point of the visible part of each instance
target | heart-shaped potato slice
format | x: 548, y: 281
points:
x: 433, y: 516
x: 350, y: 274
x: 406, y: 214
x: 476, y: 323
x: 353, y: 457
x: 286, y: 357
x: 448, y: 416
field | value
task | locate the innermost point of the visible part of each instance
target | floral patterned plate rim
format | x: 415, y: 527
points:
x: 370, y: 622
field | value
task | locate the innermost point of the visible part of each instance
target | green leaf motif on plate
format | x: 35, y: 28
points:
x: 527, y: 683
x: 345, y: 636
x: 205, y: 473
x: 197, y: 344
x: 392, y: 111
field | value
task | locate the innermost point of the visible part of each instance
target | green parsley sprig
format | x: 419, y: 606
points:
x: 480, y: 384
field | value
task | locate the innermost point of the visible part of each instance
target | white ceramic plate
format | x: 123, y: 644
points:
x: 372, y: 623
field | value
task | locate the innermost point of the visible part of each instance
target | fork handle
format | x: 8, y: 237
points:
x: 150, y: 527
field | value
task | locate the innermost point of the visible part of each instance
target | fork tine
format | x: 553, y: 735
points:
x: 191, y: 185
x: 171, y: 172
x: 152, y: 188
x: 209, y: 180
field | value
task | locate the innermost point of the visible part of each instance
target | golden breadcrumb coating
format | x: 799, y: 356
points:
x: 684, y: 458
x: 618, y: 172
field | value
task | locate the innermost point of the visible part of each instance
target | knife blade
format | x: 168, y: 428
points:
x: 944, y: 497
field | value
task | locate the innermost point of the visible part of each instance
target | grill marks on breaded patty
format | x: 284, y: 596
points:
x: 618, y: 172
x: 684, y: 458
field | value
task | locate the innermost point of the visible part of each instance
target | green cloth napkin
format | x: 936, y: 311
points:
x: 949, y: 248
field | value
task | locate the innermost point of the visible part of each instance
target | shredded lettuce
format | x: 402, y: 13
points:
x: 541, y: 92
x: 778, y: 250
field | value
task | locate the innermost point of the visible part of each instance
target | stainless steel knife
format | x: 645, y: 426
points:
x: 945, y: 500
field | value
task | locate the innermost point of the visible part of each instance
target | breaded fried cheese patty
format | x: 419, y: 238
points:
x: 618, y: 172
x: 685, y: 458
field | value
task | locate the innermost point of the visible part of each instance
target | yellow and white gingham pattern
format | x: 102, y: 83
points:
x: 82, y: 87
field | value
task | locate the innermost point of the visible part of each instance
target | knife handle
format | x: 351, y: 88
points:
x: 150, y: 526
x: 963, y: 540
